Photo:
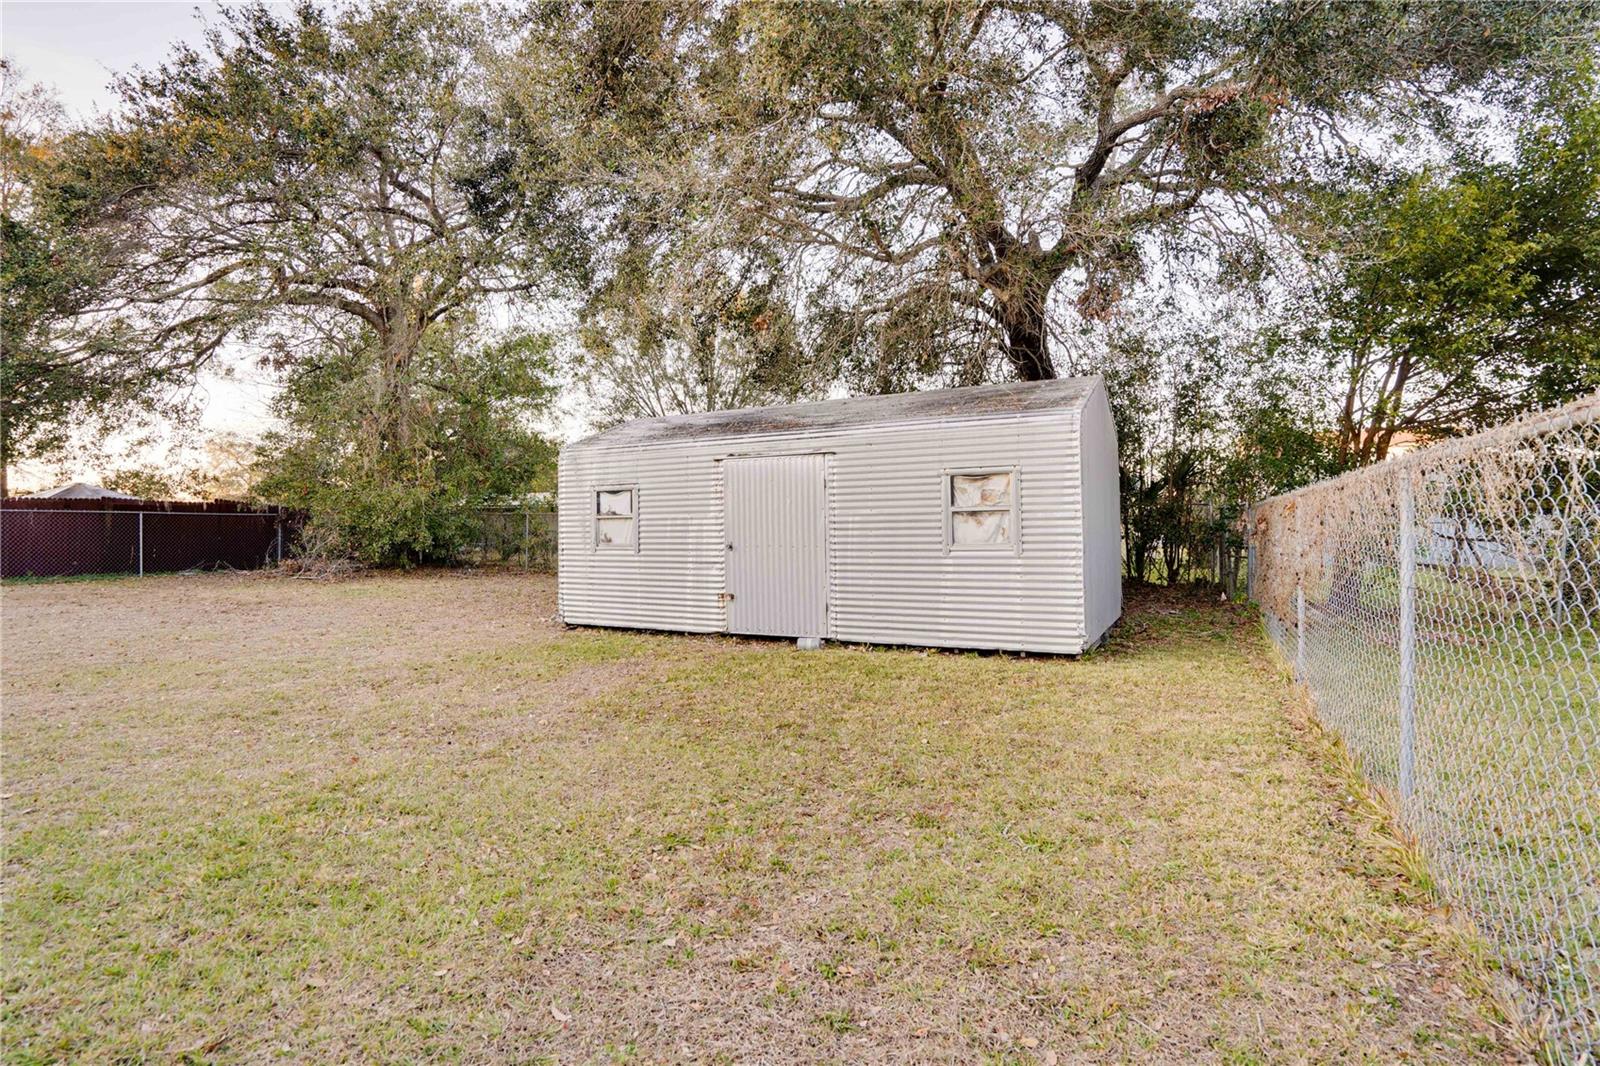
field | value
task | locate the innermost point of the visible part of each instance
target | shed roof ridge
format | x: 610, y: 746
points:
x: 1017, y: 397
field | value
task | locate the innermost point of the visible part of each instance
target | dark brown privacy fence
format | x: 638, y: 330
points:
x: 60, y: 538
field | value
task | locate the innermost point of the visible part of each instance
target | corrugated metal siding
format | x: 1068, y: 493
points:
x: 895, y: 583
x: 673, y: 580
x: 1102, y: 505
x: 892, y: 580
x: 777, y: 538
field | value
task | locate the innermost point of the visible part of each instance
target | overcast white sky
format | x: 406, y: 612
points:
x: 80, y: 48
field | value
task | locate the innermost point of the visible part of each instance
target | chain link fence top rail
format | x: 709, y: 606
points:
x: 1444, y: 611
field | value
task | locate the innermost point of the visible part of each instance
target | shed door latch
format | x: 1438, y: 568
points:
x: 724, y: 597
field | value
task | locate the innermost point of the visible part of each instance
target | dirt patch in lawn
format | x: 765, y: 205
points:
x: 413, y: 818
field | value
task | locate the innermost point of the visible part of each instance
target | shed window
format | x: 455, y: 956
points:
x: 982, y: 510
x: 615, y: 518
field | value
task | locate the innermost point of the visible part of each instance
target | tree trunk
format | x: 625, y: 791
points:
x: 397, y: 347
x: 1026, y: 336
x: 1171, y: 555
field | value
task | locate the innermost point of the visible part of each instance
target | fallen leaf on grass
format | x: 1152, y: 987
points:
x: 207, y: 1046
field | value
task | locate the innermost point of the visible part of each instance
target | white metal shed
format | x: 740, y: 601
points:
x: 983, y: 517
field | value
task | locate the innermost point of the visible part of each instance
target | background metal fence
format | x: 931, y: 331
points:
x: 71, y: 538
x: 1443, y: 609
x: 513, y: 537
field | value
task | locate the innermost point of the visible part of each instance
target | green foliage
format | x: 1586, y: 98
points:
x: 956, y: 185
x: 1208, y: 422
x: 144, y: 482
x: 1279, y: 444
x: 1439, y: 300
x: 69, y: 363
x: 224, y: 470
x: 1454, y: 300
x: 307, y: 174
x: 394, y: 473
x: 671, y: 334
x: 37, y: 283
x: 757, y: 201
x: 1164, y: 450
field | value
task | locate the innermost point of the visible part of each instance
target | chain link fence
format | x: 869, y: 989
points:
x: 72, y: 541
x: 513, y: 537
x: 1443, y: 609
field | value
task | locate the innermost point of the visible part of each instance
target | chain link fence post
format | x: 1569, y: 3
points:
x: 1300, y: 632
x: 141, y: 544
x: 1299, y: 600
x: 1408, y: 636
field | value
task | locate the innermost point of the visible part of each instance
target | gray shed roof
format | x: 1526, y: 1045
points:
x: 978, y: 400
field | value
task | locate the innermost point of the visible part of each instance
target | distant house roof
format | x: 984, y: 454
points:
x: 79, y: 490
x: 1402, y: 443
x: 1016, y: 397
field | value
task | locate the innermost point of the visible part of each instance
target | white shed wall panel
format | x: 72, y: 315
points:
x: 895, y: 582
x: 891, y: 578
x: 1102, y: 504
x: 672, y: 581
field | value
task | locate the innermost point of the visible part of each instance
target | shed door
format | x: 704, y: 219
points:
x: 777, y: 532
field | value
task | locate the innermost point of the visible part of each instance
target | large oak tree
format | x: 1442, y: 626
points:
x: 319, y: 179
x: 966, y: 178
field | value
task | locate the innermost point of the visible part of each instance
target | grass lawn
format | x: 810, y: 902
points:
x: 412, y: 819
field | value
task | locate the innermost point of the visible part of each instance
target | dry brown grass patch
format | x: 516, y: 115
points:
x: 409, y: 818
